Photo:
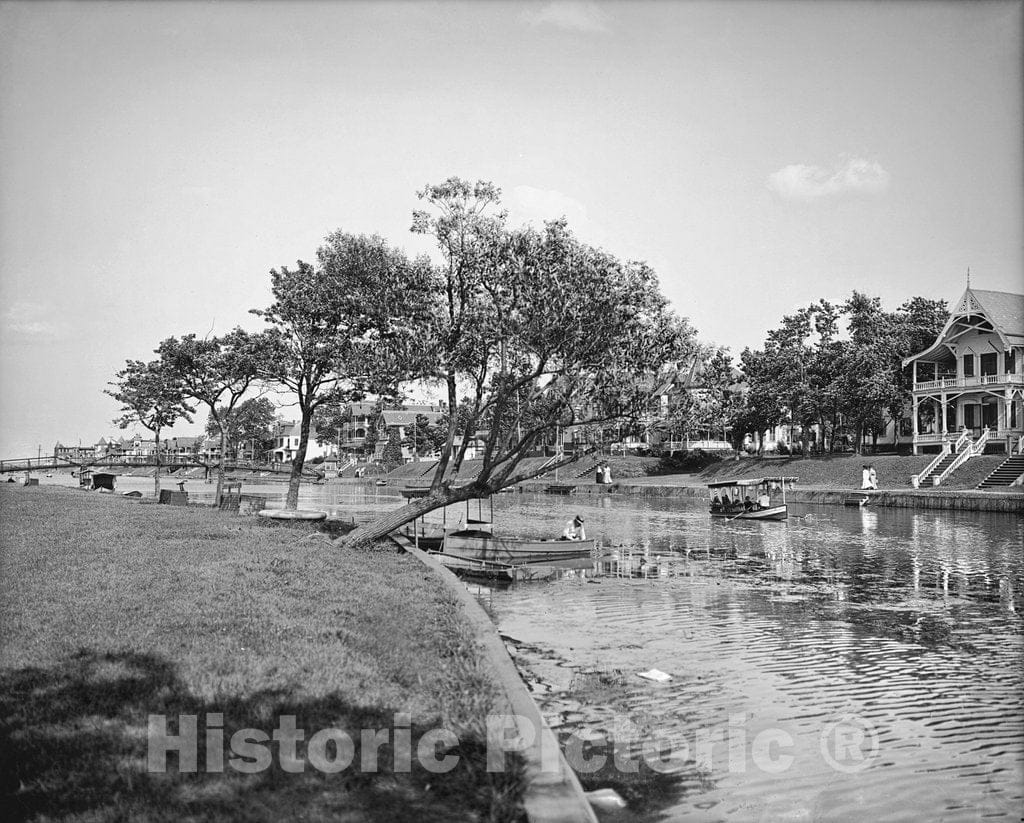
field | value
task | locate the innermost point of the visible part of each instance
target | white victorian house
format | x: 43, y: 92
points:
x: 970, y: 381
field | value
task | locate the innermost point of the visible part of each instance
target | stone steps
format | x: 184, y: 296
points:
x: 1005, y: 474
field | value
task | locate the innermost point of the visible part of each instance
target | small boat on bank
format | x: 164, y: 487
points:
x: 470, y: 545
x: 514, y: 551
x: 750, y: 498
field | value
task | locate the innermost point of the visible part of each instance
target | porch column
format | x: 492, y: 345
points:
x: 914, y: 448
x: 945, y: 428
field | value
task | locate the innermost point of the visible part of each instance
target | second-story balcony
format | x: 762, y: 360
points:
x: 970, y: 382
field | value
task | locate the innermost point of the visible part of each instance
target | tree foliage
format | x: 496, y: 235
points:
x: 537, y: 331
x: 809, y: 373
x: 251, y: 421
x: 342, y: 328
x: 217, y: 372
x: 152, y: 396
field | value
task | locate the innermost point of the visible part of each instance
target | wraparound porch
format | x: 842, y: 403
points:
x: 939, y: 416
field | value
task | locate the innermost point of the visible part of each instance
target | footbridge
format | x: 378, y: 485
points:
x: 38, y: 464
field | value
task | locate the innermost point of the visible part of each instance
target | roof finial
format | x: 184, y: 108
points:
x: 968, y: 277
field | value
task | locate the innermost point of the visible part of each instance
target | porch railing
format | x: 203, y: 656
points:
x: 974, y: 380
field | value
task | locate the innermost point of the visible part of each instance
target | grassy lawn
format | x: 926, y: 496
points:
x: 113, y: 610
x: 844, y: 471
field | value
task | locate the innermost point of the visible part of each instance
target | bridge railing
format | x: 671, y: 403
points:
x: 36, y: 464
x: 21, y: 464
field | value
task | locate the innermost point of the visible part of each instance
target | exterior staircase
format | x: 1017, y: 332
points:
x: 938, y: 469
x: 1006, y: 473
x: 584, y: 468
x: 951, y: 458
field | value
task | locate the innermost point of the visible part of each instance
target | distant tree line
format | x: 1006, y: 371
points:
x: 838, y: 368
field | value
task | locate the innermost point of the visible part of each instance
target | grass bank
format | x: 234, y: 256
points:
x: 844, y: 471
x: 114, y: 610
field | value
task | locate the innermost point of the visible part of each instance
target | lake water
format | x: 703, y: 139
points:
x: 849, y: 664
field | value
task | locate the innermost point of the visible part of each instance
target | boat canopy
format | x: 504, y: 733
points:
x: 745, y: 482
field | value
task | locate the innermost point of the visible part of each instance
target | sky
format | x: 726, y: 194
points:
x: 158, y: 159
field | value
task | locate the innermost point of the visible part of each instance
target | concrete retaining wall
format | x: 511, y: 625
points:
x: 553, y: 792
x: 962, y: 500
x: 980, y: 501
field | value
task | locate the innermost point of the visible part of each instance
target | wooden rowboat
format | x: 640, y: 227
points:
x: 482, y: 545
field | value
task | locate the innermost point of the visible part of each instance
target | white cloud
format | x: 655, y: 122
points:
x: 857, y: 175
x: 32, y: 320
x: 530, y: 204
x: 574, y: 15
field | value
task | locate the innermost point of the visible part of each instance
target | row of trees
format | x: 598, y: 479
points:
x: 531, y: 328
x: 524, y: 331
x: 808, y: 373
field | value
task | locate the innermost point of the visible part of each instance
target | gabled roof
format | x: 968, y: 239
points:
x: 1004, y: 310
x: 181, y: 442
x: 289, y: 429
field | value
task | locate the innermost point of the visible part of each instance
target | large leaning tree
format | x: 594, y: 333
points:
x: 151, y: 395
x: 536, y: 332
x: 217, y: 372
x: 352, y: 324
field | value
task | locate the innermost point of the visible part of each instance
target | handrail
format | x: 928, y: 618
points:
x: 976, y: 448
x: 962, y: 440
x: 915, y: 479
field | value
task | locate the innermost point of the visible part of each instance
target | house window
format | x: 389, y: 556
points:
x: 1008, y: 365
x: 968, y: 365
x: 989, y: 363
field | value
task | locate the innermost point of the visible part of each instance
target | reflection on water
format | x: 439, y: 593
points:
x: 849, y: 664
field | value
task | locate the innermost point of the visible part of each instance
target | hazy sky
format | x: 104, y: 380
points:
x: 157, y: 159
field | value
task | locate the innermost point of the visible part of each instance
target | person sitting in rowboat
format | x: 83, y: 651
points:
x: 574, y: 530
x: 748, y: 504
x: 716, y: 504
x: 763, y: 501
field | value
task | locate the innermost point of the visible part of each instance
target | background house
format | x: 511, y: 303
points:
x: 286, y: 443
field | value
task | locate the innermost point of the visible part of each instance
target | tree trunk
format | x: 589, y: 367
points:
x: 292, y: 500
x: 395, y: 519
x: 453, y: 423
x: 443, y: 495
x: 156, y: 471
x: 220, y: 466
